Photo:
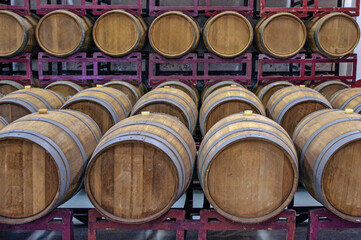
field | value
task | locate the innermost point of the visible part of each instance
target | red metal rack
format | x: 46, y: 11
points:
x: 306, y: 69
x: 210, y: 220
x: 193, y: 72
x: 57, y: 220
x: 98, y: 7
x: 21, y: 9
x: 324, y: 219
x: 8, y: 72
x: 304, y: 7
x: 195, y: 8
x: 131, y: 76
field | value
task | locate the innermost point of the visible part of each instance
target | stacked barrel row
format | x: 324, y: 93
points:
x: 174, y: 34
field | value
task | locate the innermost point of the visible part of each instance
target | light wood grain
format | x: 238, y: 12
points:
x: 347, y: 98
x: 264, y: 93
x: 65, y: 88
x: 246, y: 173
x: 190, y: 90
x: 209, y: 89
x: 136, y: 179
x: 33, y: 177
x: 329, y: 88
x: 7, y: 86
x: 132, y: 92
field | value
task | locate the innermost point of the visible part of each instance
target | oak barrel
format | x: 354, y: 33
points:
x: 333, y: 35
x: 227, y: 101
x: 247, y: 167
x: 209, y: 89
x: 65, y: 88
x: 264, y: 93
x: 29, y: 100
x: 170, y: 101
x: 140, y: 168
x: 329, y: 147
x: 118, y: 33
x: 17, y: 33
x: 3, y: 122
x: 63, y: 33
x: 280, y: 36
x: 174, y: 34
x: 289, y: 106
x: 7, y: 86
x: 190, y: 90
x: 106, y: 106
x: 228, y: 34
x: 329, y: 88
x: 134, y: 93
x: 42, y: 161
x: 347, y: 98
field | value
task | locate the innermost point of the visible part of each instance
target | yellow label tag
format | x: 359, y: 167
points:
x: 99, y: 86
x: 43, y: 111
x: 302, y: 86
x: 349, y: 111
x: 248, y: 113
x: 166, y: 86
x: 27, y: 87
x: 233, y: 85
x: 145, y: 113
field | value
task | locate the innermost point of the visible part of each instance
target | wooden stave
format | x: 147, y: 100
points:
x: 28, y: 24
x: 209, y: 89
x: 330, y: 123
x: 15, y: 85
x: 181, y: 100
x: 190, y: 90
x: 211, y: 20
x: 239, y: 93
x: 69, y: 84
x: 25, y: 98
x: 259, y: 41
x: 154, y: 120
x: 276, y: 101
x: 114, y: 101
x: 202, y: 164
x: 85, y: 23
x: 321, y: 87
x: 261, y: 92
x: 142, y: 28
x: 195, y: 41
x: 137, y: 93
x: 347, y: 98
x: 86, y: 134
x: 314, y: 25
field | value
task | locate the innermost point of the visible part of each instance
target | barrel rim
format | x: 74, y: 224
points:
x: 132, y: 88
x: 76, y: 18
x: 186, y: 17
x: 14, y: 84
x: 264, y: 90
x: 64, y: 82
x: 116, y: 12
x: 178, y: 83
x: 211, y: 89
x: 216, y: 17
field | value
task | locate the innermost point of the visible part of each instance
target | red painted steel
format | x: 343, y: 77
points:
x: 8, y: 73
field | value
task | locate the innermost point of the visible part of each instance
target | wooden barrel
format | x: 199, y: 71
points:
x: 63, y: 33
x: 3, y: 122
x: 190, y: 90
x: 209, y: 89
x: 42, y: 163
x: 329, y: 88
x: 227, y: 101
x: 228, y: 34
x: 7, y: 86
x: 65, y: 88
x: 289, y: 106
x: 17, y: 33
x: 170, y: 101
x: 333, y: 35
x: 118, y: 33
x: 106, y: 106
x: 134, y: 93
x: 264, y: 93
x: 247, y: 167
x: 140, y: 168
x: 280, y: 36
x: 23, y: 102
x: 347, y: 98
x: 174, y: 34
x: 329, y: 147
